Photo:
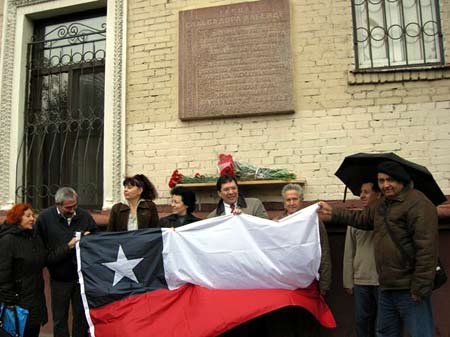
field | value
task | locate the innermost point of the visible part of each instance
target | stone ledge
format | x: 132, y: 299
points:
x: 246, y: 183
x: 356, y: 77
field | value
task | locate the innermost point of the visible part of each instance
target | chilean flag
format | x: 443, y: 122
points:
x: 201, y: 279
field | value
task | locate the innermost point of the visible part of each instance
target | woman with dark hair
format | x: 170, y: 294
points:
x: 22, y: 258
x: 183, y: 204
x: 139, y: 211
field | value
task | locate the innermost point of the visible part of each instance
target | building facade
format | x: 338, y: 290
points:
x: 343, y: 103
x: 90, y: 93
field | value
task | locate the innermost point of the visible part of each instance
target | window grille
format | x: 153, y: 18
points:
x: 396, y: 33
x: 63, y: 121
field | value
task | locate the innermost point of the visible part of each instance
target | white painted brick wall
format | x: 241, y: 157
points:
x: 333, y: 118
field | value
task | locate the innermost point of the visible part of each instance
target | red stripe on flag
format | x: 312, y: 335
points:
x: 193, y: 311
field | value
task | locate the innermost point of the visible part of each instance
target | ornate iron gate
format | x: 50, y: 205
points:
x: 63, y: 122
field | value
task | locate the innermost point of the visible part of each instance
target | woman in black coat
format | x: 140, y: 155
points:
x: 22, y: 258
x: 183, y: 204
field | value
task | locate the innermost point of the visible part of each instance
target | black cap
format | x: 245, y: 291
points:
x: 395, y: 170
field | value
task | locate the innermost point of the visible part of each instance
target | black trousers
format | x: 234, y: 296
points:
x: 32, y: 330
x: 64, y: 294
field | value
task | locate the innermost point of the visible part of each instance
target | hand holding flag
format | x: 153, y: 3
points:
x: 201, y: 279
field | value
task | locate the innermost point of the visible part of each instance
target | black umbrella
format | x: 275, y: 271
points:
x: 362, y: 168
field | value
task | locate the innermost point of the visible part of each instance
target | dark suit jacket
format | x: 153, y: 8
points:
x: 55, y: 233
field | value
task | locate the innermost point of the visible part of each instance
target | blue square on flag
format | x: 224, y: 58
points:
x: 117, y: 265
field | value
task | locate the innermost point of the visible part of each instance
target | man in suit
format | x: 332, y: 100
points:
x: 232, y: 202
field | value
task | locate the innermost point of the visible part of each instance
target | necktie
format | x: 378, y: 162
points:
x: 232, y: 207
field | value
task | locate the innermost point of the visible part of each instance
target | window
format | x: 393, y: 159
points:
x: 63, y: 142
x: 396, y: 33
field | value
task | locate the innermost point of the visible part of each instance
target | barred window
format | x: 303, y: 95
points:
x: 63, y: 138
x: 396, y: 33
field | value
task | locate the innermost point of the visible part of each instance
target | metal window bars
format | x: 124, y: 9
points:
x: 396, y: 34
x: 63, y: 122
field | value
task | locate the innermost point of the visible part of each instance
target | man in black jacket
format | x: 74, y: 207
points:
x: 58, y: 226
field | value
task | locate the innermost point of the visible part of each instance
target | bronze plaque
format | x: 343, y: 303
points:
x: 235, y: 60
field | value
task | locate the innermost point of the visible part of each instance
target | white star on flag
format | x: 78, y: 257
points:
x: 123, y: 267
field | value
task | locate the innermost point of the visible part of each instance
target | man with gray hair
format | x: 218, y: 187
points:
x: 293, y: 201
x: 292, y: 321
x: 60, y: 227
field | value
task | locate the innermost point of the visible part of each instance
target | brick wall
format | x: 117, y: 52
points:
x: 337, y: 112
x: 1, y: 21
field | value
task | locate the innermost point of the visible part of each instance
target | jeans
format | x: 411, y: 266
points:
x: 64, y: 293
x: 397, y: 310
x: 366, y: 303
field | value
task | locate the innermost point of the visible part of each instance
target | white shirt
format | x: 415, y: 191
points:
x: 227, y: 208
x: 69, y: 220
x: 132, y: 219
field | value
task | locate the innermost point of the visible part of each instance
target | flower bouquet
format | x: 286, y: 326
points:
x: 198, y: 178
x: 246, y: 171
x: 178, y: 178
x: 242, y: 171
x: 225, y: 165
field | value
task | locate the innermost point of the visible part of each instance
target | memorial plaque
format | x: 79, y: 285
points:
x: 235, y: 60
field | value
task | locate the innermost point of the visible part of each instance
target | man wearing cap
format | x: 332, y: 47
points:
x: 405, y: 222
